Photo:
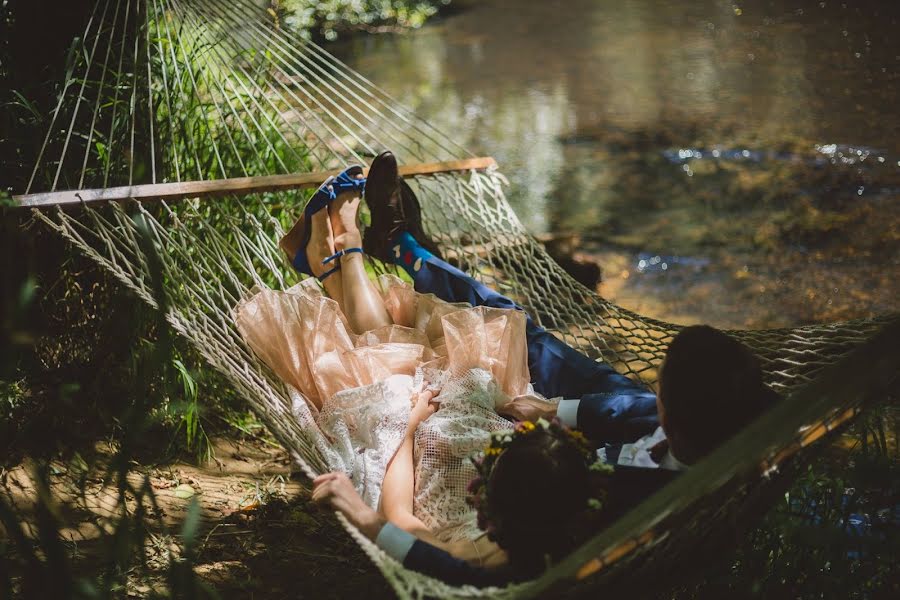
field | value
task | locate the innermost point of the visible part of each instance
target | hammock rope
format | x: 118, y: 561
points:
x: 209, y: 90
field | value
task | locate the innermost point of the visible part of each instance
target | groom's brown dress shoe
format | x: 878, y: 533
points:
x: 394, y: 209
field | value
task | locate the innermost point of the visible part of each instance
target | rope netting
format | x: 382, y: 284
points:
x: 181, y: 90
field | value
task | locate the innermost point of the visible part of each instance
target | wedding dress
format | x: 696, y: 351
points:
x: 358, y: 388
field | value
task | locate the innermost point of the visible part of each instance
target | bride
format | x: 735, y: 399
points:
x: 407, y: 387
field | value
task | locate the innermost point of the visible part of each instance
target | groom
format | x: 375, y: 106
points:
x: 649, y: 439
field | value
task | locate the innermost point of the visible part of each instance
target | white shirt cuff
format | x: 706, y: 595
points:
x: 395, y: 542
x: 567, y: 412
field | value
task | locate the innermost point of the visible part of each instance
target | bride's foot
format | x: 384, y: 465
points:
x: 320, y: 245
x: 297, y: 240
x: 344, y: 217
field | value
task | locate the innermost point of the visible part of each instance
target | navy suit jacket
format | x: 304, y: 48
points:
x: 606, y: 418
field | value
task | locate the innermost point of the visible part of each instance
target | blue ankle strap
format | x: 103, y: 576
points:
x: 326, y: 274
x: 340, y: 254
x: 345, y: 182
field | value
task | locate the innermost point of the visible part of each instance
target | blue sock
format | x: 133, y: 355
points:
x: 408, y: 254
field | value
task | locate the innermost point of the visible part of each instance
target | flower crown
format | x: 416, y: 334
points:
x: 500, y: 441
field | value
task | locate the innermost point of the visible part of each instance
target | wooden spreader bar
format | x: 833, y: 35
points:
x: 238, y: 186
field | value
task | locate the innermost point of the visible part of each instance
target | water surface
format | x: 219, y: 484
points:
x: 750, y: 150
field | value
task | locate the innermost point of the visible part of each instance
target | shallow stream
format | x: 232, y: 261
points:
x: 736, y: 163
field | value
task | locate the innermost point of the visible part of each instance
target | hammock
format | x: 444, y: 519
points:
x: 198, y: 123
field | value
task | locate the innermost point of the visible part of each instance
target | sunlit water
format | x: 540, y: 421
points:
x: 728, y: 162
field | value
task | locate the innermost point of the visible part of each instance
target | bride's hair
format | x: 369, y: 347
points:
x: 537, y: 494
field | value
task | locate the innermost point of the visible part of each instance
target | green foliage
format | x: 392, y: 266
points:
x: 181, y: 578
x: 27, y: 106
x: 37, y: 562
x: 246, y: 422
x: 330, y: 18
x: 90, y: 324
x: 212, y: 132
x: 188, y: 410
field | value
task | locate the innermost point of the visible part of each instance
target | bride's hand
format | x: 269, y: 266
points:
x: 422, y: 408
x: 337, y: 489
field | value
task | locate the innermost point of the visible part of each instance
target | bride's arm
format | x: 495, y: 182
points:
x: 412, y: 553
x: 398, y: 487
x: 397, y: 493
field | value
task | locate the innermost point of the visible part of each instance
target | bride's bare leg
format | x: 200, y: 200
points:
x: 319, y: 247
x: 363, y: 305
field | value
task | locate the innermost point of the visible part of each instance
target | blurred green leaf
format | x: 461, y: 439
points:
x: 185, y: 491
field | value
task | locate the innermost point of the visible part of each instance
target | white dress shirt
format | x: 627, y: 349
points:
x: 638, y: 454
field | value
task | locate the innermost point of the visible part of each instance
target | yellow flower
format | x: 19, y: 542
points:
x: 525, y: 427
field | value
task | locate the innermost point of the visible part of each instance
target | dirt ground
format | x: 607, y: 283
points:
x: 259, y: 536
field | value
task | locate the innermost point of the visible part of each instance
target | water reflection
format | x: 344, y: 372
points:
x: 659, y: 126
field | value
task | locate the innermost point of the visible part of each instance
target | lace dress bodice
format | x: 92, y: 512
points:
x: 445, y: 443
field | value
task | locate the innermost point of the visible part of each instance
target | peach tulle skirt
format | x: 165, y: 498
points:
x: 304, y: 337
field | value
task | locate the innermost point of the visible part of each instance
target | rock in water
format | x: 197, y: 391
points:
x: 564, y: 249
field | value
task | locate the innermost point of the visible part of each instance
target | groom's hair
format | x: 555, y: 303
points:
x: 710, y: 387
x: 536, y: 493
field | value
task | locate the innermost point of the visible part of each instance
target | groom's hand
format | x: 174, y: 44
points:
x: 528, y: 408
x: 337, y: 490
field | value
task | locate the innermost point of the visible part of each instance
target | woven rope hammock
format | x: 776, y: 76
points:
x: 201, y: 125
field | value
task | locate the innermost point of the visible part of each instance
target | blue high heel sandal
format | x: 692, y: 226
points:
x: 323, y: 197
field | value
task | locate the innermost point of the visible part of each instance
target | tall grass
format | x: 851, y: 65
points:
x: 35, y: 561
x: 201, y: 127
